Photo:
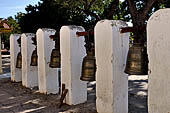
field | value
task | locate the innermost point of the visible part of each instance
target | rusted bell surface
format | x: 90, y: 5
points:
x: 34, y: 58
x: 19, y: 60
x: 137, y: 62
x: 88, y: 69
x: 55, y: 59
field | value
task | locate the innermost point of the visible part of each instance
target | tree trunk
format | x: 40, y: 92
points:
x: 138, y: 18
x: 138, y: 24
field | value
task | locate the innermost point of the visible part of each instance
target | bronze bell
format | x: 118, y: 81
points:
x: 34, y: 58
x: 137, y: 61
x: 88, y: 68
x: 55, y: 59
x: 19, y: 60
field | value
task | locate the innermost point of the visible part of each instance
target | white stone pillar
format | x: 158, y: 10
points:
x: 158, y: 48
x: 1, y: 71
x: 16, y: 74
x: 72, y: 53
x: 47, y: 77
x: 29, y: 73
x: 111, y: 48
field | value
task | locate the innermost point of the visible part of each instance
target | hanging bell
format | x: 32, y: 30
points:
x: 55, y: 59
x: 137, y: 61
x: 19, y: 60
x: 34, y: 58
x: 88, y: 68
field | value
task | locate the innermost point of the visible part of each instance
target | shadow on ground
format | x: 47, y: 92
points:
x: 15, y: 98
x: 137, y: 95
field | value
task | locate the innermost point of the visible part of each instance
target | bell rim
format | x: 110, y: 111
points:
x: 135, y: 73
x: 19, y: 56
x: 87, y: 79
x: 33, y: 64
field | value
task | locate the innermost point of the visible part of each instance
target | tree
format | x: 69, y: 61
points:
x: 139, y: 11
x: 55, y: 13
x: 15, y: 28
x: 136, y: 11
x: 97, y: 9
x: 49, y: 14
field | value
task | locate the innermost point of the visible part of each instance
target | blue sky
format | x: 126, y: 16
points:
x: 11, y: 7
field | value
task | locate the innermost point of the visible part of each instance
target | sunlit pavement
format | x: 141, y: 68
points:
x: 138, y: 85
x: 14, y: 98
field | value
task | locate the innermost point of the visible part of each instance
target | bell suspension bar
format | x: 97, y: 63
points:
x: 132, y: 29
x: 85, y: 33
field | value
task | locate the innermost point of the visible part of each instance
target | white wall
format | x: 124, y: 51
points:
x: 47, y: 77
x: 158, y: 47
x: 72, y: 53
x: 29, y: 73
x: 1, y: 71
x: 111, y: 48
x: 16, y: 74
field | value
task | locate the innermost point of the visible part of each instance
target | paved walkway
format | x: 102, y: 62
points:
x: 14, y: 98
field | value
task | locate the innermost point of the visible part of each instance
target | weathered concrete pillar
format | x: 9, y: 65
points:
x: 16, y: 74
x: 72, y: 53
x: 158, y: 48
x: 111, y: 48
x: 47, y: 77
x: 1, y: 71
x: 29, y: 73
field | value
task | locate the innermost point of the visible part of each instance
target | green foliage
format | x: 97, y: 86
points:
x: 164, y: 3
x: 56, y: 13
x: 50, y: 14
x: 15, y: 28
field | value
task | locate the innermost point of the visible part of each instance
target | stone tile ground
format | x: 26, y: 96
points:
x: 14, y: 98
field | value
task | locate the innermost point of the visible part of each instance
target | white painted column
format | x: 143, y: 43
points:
x: 16, y: 74
x: 1, y: 71
x: 47, y: 77
x: 111, y: 48
x: 72, y: 53
x: 158, y: 47
x: 29, y: 73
